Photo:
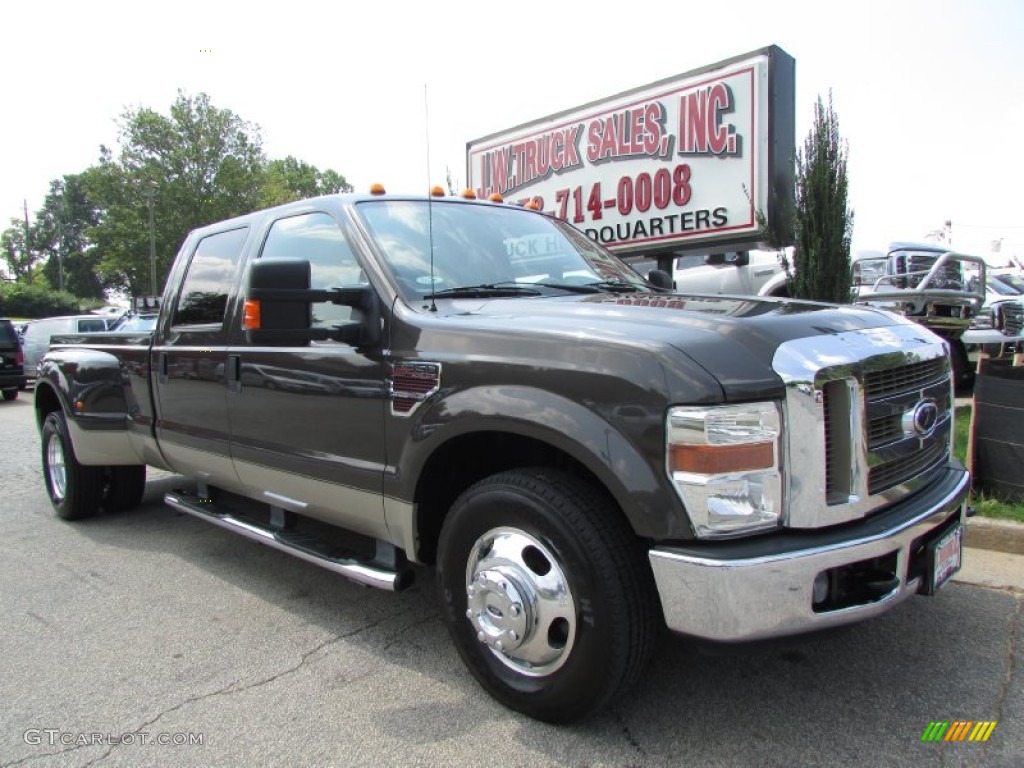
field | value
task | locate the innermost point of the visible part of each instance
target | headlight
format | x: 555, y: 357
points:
x: 725, y: 463
x: 983, y: 321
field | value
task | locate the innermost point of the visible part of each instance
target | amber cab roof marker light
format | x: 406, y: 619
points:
x: 437, y: 191
x: 496, y: 197
x: 469, y: 194
x: 376, y: 189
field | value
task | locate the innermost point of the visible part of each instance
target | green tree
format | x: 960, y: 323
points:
x: 19, y: 256
x: 170, y: 174
x: 121, y: 236
x: 292, y: 179
x: 196, y: 165
x: 822, y: 221
x: 61, y: 230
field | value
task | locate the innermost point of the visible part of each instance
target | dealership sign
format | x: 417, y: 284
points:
x: 685, y: 162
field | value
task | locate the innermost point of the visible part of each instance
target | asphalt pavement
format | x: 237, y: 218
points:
x: 152, y: 638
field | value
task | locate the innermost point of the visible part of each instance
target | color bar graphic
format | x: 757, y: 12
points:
x: 958, y: 730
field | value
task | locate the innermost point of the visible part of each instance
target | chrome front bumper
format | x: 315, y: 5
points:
x: 734, y: 599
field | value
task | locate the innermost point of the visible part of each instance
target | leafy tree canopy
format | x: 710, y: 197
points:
x: 171, y: 173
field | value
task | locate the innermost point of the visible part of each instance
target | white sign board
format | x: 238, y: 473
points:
x: 676, y: 163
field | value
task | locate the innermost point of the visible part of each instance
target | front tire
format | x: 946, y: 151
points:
x: 547, y: 593
x: 10, y: 394
x: 75, y: 490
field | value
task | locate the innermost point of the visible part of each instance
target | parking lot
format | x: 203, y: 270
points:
x: 153, y: 638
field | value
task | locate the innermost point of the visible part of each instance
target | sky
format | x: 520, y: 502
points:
x: 929, y: 95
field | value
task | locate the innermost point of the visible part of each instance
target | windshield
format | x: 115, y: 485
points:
x: 1003, y: 289
x: 1015, y: 282
x: 487, y: 246
x: 136, y: 323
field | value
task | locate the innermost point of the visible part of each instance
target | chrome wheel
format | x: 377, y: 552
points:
x: 55, y: 467
x: 519, y: 602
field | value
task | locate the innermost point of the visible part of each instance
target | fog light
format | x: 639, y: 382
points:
x: 820, y: 588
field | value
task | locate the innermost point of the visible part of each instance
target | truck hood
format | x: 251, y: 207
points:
x: 732, y: 338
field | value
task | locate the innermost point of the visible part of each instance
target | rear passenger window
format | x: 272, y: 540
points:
x: 204, y: 295
x: 317, y: 238
x: 91, y: 326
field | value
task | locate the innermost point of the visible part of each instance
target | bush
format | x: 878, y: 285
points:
x: 32, y: 301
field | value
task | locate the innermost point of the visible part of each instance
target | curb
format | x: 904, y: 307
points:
x: 995, y: 535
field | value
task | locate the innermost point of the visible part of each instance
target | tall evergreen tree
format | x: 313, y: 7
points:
x: 822, y: 221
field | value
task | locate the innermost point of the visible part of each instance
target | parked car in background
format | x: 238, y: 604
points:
x: 12, y: 371
x: 999, y: 327
x: 38, y: 333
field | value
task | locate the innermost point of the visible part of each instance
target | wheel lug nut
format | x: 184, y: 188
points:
x: 504, y: 586
x: 512, y: 635
x: 470, y: 590
x: 469, y: 613
x: 515, y: 609
x: 481, y: 636
x: 499, y: 646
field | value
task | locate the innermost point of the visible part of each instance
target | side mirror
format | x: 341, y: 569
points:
x: 279, y: 301
x: 660, y: 279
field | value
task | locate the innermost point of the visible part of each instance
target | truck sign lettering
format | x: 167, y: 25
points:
x: 680, y: 162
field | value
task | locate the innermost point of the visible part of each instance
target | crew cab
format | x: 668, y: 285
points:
x: 372, y: 381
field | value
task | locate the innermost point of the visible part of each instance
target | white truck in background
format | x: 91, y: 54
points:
x: 924, y: 282
x: 748, y: 273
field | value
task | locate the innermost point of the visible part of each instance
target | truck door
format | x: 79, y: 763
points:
x: 188, y: 358
x: 307, y: 421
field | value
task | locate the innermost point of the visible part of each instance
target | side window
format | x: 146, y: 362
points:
x: 90, y: 325
x: 317, y: 238
x: 204, y: 295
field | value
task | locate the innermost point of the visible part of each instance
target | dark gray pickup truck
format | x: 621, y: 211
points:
x: 375, y: 381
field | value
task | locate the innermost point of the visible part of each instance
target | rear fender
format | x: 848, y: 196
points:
x: 89, y: 388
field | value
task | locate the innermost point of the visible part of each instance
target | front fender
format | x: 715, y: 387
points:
x: 777, y: 283
x: 622, y: 445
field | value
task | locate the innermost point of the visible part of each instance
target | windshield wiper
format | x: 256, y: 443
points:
x: 571, y: 287
x: 485, y: 290
x: 614, y: 286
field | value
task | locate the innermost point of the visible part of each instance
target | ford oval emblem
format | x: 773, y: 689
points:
x: 920, y: 421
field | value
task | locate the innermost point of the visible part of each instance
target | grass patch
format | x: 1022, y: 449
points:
x: 986, y: 507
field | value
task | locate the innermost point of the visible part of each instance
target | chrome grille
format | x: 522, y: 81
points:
x: 869, y: 414
x: 910, y: 465
x: 896, y: 452
x: 881, y: 383
x: 1012, y: 318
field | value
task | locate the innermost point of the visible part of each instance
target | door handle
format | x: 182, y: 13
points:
x: 234, y: 373
x: 163, y: 367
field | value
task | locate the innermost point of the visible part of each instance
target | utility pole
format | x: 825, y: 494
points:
x: 62, y: 241
x: 28, y: 252
x: 152, y: 244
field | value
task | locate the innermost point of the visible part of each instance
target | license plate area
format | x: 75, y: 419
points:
x: 943, y: 556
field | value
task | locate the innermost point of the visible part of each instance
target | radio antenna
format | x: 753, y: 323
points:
x: 430, y: 201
